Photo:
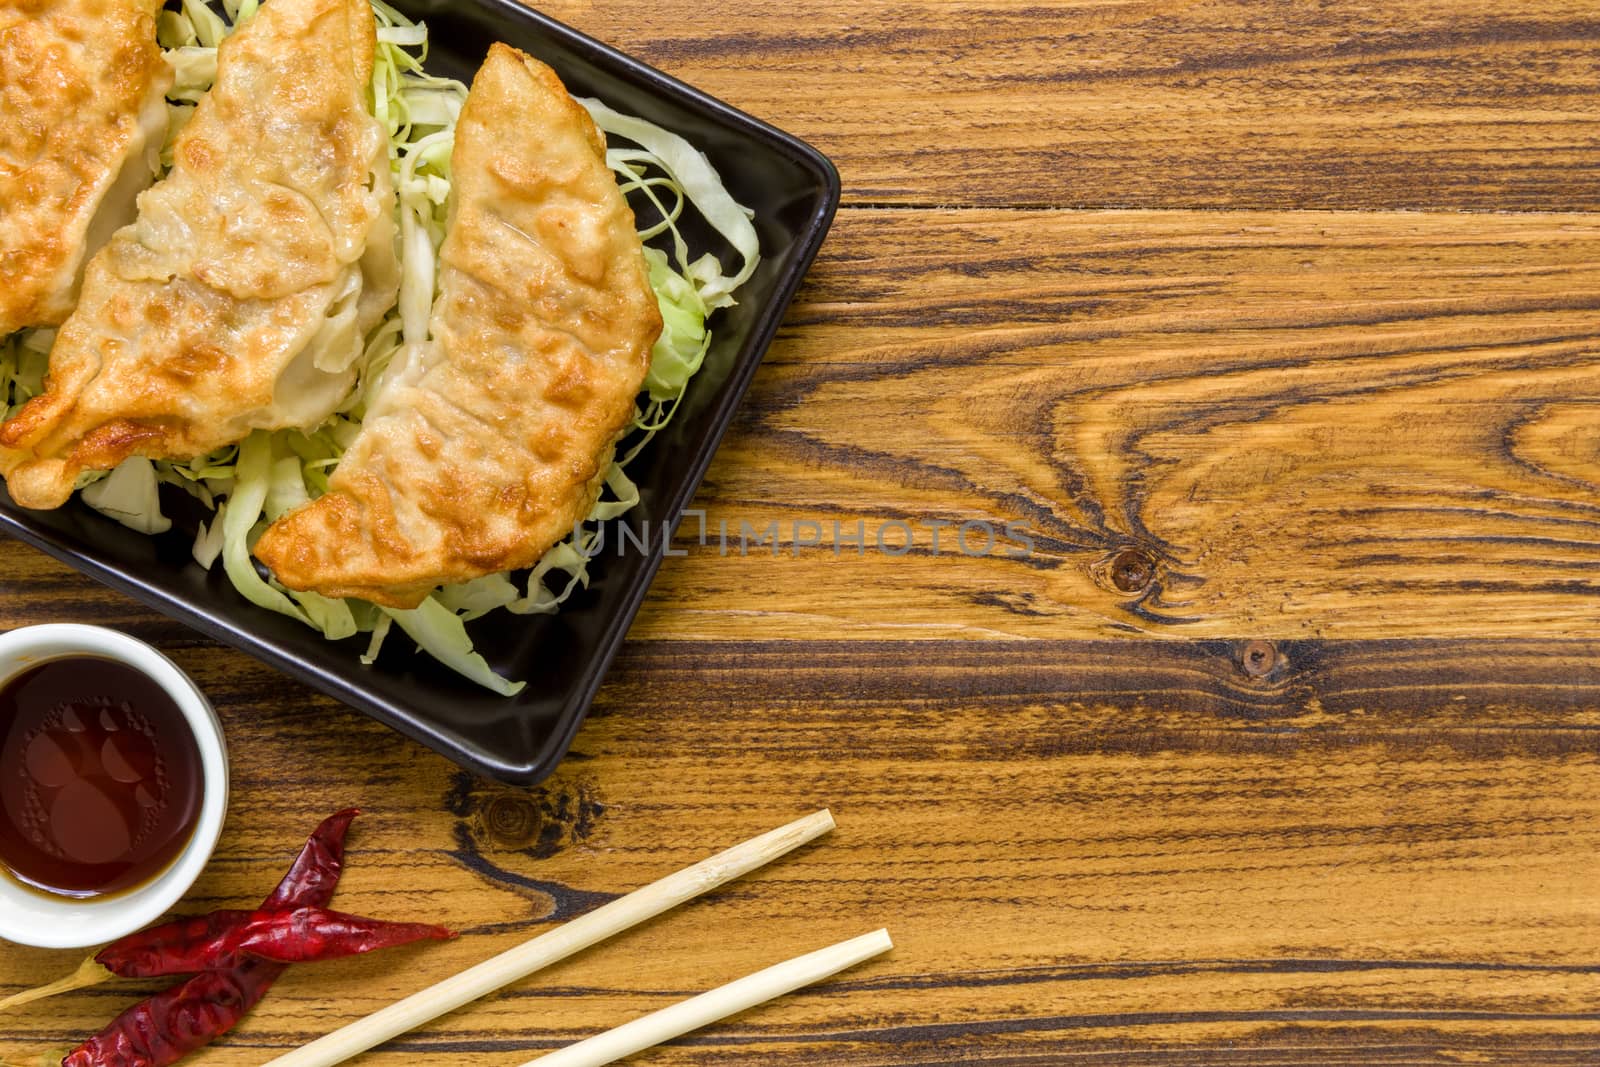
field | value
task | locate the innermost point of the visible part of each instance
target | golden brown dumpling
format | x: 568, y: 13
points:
x: 239, y: 298
x: 82, y: 118
x: 481, y: 449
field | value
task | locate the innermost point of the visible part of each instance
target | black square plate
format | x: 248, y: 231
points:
x: 793, y: 191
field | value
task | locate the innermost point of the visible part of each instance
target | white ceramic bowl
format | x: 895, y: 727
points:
x: 33, y: 918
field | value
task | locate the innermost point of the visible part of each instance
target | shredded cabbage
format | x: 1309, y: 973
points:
x: 443, y: 635
x: 24, y: 358
x: 129, y: 495
x: 693, y: 177
x: 268, y: 474
x: 684, y: 339
x: 252, y: 481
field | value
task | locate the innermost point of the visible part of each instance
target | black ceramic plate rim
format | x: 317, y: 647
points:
x: 614, y: 631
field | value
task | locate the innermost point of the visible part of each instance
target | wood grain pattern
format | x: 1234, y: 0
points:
x: 1342, y: 462
x: 1379, y: 853
x: 1310, y: 424
x: 1156, y: 103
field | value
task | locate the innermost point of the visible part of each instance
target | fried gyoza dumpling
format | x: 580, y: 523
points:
x: 239, y: 297
x: 81, y: 124
x: 484, y: 447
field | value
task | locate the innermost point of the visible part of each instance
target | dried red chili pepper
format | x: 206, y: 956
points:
x: 315, y: 872
x: 309, y: 883
x: 308, y: 934
x: 183, y: 946
x: 304, y: 935
x: 166, y: 1027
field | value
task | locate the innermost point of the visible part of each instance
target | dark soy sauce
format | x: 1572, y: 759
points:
x: 100, y: 777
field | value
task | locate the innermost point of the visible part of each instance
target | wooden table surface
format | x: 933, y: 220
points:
x: 1277, y: 327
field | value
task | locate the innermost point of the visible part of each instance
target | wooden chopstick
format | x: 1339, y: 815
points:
x: 719, y: 1003
x: 557, y: 944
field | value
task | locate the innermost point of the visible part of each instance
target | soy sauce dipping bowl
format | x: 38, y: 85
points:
x: 31, y: 917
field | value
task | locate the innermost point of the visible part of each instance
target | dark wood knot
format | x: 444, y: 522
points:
x: 1258, y: 658
x: 1132, y: 570
x: 539, y: 822
x: 511, y: 821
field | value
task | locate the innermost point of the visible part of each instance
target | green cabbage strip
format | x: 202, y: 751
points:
x: 249, y: 484
x: 698, y: 180
x: 252, y: 482
x: 684, y: 339
x: 443, y: 634
x: 129, y: 495
x: 24, y: 357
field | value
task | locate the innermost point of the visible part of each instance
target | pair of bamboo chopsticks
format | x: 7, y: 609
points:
x: 596, y: 926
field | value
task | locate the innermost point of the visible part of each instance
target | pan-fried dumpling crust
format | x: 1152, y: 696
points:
x: 239, y: 298
x: 484, y: 448
x: 82, y: 118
